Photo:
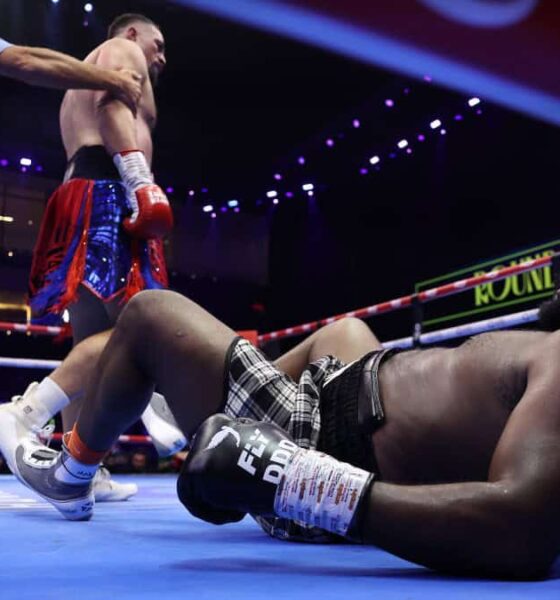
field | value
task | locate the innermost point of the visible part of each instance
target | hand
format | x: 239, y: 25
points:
x: 128, y: 88
x: 151, y: 214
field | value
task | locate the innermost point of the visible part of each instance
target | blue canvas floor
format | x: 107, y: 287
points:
x: 149, y: 547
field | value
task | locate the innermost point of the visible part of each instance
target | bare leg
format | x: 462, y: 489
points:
x: 347, y: 339
x: 89, y: 316
x: 77, y: 367
x: 160, y: 337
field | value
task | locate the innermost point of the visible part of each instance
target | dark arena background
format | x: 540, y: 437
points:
x: 320, y: 157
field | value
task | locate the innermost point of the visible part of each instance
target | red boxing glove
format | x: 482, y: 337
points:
x: 151, y: 214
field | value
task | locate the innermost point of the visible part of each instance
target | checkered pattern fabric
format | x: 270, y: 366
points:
x: 256, y: 389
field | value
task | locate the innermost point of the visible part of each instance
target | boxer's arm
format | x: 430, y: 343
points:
x: 115, y: 119
x: 508, y: 526
x: 48, y: 68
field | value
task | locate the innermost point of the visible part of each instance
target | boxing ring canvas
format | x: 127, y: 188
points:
x: 150, y: 547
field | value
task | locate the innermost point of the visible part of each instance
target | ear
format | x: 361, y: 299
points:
x: 131, y: 33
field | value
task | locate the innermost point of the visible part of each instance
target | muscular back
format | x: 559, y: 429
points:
x: 447, y: 408
x: 79, y: 113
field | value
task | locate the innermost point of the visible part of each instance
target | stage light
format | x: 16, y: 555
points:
x: 207, y: 208
x: 435, y: 124
x: 389, y: 103
x: 289, y: 194
x: 6, y: 219
x: 443, y: 131
x: 4, y: 162
x: 272, y: 194
x: 330, y: 143
x: 474, y: 102
x: 278, y: 177
x: 25, y: 162
x: 233, y: 203
x: 191, y: 193
x: 363, y: 171
x: 421, y: 137
x: 88, y: 7
x: 458, y: 117
x: 275, y: 201
x: 169, y: 190
x: 402, y: 144
x: 236, y: 209
x: 213, y: 215
x: 223, y: 209
x: 356, y: 123
x: 54, y: 1
x: 306, y: 187
x: 301, y: 160
x: 374, y: 160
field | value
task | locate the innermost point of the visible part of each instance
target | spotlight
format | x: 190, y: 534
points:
x: 363, y: 171
x: 272, y: 194
x: 474, y: 102
x: 402, y: 144
x: 356, y: 123
x: 443, y: 131
x: 88, y: 7
x: 25, y: 162
x: 301, y: 160
x: 54, y: 1
x: 389, y: 103
x: 374, y: 160
x: 275, y: 201
x: 307, y: 187
x: 330, y: 143
x: 435, y: 124
x: 278, y: 177
x: 169, y: 190
x: 207, y: 208
x: 421, y: 137
x: 4, y: 162
x: 233, y: 203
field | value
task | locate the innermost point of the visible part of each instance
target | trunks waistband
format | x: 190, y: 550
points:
x: 91, y: 162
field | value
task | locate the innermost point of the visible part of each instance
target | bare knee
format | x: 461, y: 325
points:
x: 145, y: 312
x: 349, y: 328
x: 348, y: 339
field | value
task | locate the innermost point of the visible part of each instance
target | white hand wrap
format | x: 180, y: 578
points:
x: 135, y: 173
x: 321, y: 491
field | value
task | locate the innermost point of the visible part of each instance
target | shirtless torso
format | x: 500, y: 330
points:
x: 79, y: 115
x: 447, y: 408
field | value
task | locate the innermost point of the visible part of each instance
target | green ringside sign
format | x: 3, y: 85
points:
x: 494, y: 298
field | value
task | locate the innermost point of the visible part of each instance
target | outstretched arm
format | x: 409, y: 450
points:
x: 507, y: 526
x: 48, y: 68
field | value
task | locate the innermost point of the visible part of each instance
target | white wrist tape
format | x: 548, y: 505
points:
x: 320, y: 491
x: 133, y: 169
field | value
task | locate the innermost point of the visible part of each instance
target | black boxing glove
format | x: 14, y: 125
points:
x: 240, y: 466
x: 233, y: 468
